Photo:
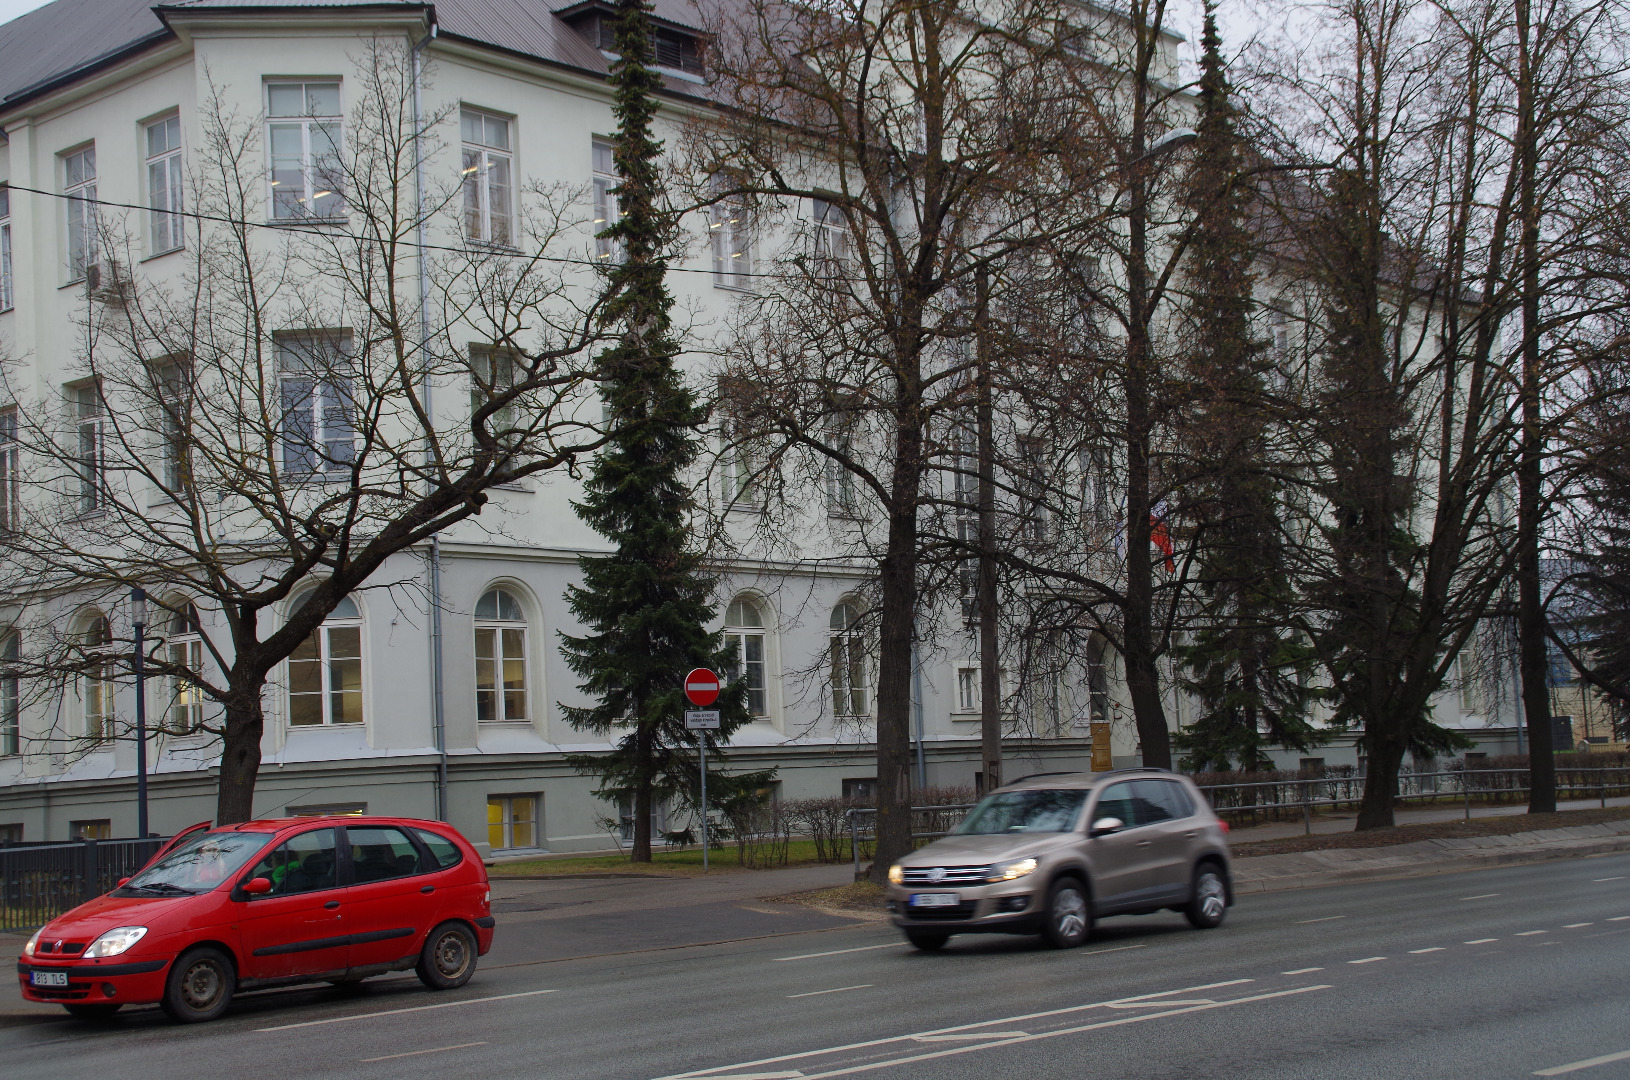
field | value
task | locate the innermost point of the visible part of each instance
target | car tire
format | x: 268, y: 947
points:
x: 927, y: 940
x: 96, y: 1011
x: 1208, y: 898
x: 199, y: 986
x: 1068, y: 914
x: 448, y: 958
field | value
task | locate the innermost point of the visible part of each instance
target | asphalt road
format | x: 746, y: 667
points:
x: 1512, y: 972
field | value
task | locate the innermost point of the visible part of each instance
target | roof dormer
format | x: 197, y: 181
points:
x: 673, y: 46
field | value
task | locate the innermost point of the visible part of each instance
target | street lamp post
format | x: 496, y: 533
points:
x: 138, y: 610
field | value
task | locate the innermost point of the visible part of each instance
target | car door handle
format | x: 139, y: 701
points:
x: 1144, y: 843
x: 428, y: 889
x: 332, y: 904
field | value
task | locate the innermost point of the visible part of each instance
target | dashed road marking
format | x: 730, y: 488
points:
x: 1619, y: 918
x: 840, y: 952
x: 1301, y: 971
x: 415, y: 1008
x: 416, y: 1053
x: 1435, y: 948
x: 1588, y: 1063
x: 834, y: 990
x: 1367, y: 960
x: 1530, y: 933
x: 1577, y: 925
x: 1620, y: 877
x: 1481, y: 896
x: 1482, y: 940
x: 1327, y: 918
x: 965, y: 1037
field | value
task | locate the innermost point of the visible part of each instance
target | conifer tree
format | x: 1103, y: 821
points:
x: 1246, y: 670
x: 647, y: 605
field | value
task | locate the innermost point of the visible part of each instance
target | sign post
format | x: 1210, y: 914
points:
x: 702, y: 690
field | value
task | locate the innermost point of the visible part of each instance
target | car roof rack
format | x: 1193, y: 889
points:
x: 1138, y: 769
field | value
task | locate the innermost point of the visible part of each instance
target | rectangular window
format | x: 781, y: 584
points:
x: 315, y: 374
x: 6, y: 295
x: 186, y: 712
x: 304, y: 135
x: 669, y: 48
x: 732, y: 245
x: 164, y: 184
x: 11, y: 833
x: 840, y: 481
x: 831, y: 230
x: 11, y: 479
x: 10, y: 699
x: 488, y: 176
x: 512, y: 822
x: 967, y: 689
x: 749, y: 647
x: 89, y: 463
x: 174, y: 404
x: 492, y: 372
x: 325, y: 677
x: 606, y: 210
x: 79, y: 185
x: 738, y: 466
x: 99, y: 701
x: 1466, y: 678
x: 100, y: 829
x: 500, y: 658
x: 848, y: 673
x: 1032, y: 486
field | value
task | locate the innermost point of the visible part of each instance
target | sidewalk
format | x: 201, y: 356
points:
x: 1342, y: 821
x: 1307, y: 869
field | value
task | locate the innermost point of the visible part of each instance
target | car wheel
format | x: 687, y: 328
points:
x: 199, y: 986
x: 926, y: 940
x: 1069, y: 914
x: 1209, y: 900
x: 448, y: 958
x: 92, y: 1012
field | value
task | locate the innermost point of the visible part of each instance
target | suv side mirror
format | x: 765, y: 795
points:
x: 1106, y: 825
x: 258, y: 886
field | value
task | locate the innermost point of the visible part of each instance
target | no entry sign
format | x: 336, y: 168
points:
x: 702, y: 687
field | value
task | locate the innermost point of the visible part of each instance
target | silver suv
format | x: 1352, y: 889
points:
x: 1050, y: 853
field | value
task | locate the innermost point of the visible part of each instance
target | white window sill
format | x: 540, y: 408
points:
x: 745, y: 290
x: 162, y: 254
x: 504, y: 723
x: 327, y: 727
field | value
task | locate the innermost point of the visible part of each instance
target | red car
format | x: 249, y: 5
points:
x: 269, y: 903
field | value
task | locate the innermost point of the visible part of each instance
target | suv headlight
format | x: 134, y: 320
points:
x: 896, y: 875
x: 28, y: 950
x: 1012, y: 870
x: 115, y: 941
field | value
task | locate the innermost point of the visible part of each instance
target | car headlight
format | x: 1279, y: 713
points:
x: 115, y: 941
x: 896, y: 875
x: 1012, y: 870
x: 28, y: 950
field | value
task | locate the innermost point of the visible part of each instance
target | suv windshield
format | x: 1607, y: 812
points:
x: 199, y: 863
x: 1024, y: 811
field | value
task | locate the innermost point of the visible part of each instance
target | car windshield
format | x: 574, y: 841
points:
x: 1024, y: 811
x: 199, y: 863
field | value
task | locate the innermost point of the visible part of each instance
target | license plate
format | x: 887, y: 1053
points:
x: 935, y: 899
x: 48, y: 978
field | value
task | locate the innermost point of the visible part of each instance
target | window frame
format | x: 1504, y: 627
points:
x: 99, y: 687
x: 164, y: 219
x: 81, y: 216
x: 11, y: 480
x: 500, y: 627
x: 325, y: 693
x: 848, y: 653
x: 730, y: 237
x: 184, y: 696
x: 969, y: 694
x: 8, y: 294
x: 90, y: 435
x: 487, y: 154
x: 829, y: 235
x: 507, y: 821
x: 309, y: 166
x: 741, y: 636
x: 607, y: 207
x: 11, y: 647
x: 328, y: 398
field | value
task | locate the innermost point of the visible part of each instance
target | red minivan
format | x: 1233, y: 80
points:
x: 269, y: 903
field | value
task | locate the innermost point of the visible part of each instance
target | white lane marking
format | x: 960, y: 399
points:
x: 789, y: 1074
x: 1529, y: 933
x: 840, y: 952
x: 1619, y: 918
x: 1621, y: 877
x: 722, y: 1069
x: 1417, y: 952
x: 1481, y: 896
x: 955, y: 1050
x: 834, y: 990
x: 965, y: 1038
x: 1482, y: 940
x: 416, y: 1053
x: 1327, y: 918
x: 1118, y: 948
x: 1158, y: 1004
x: 1367, y: 960
x: 1588, y: 1063
x: 398, y: 1012
x: 1301, y: 971
x: 1577, y: 925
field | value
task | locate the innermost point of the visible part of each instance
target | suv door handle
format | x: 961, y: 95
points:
x: 428, y: 889
x: 332, y: 904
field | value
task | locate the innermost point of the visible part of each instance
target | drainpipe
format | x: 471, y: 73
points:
x: 437, y: 707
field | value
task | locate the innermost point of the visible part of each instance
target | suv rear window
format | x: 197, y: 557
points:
x: 1024, y: 811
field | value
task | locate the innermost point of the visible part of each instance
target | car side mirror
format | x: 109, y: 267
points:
x: 258, y: 886
x: 1106, y: 825
x: 123, y: 882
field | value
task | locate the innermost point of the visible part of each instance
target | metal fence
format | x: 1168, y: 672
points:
x: 927, y: 822
x: 1286, y: 800
x: 40, y: 881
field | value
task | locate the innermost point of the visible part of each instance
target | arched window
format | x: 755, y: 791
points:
x: 848, y: 648
x: 185, y: 645
x: 500, y: 657
x: 325, y: 670
x: 744, y: 632
x: 10, y: 700
x: 97, y: 638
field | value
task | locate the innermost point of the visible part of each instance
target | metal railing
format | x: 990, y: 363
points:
x: 1271, y: 799
x: 38, y: 882
x: 936, y: 818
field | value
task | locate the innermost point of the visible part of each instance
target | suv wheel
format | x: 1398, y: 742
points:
x: 927, y: 940
x: 1208, y: 901
x: 1069, y: 914
x: 199, y: 986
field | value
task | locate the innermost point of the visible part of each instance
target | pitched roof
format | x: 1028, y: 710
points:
x: 72, y: 37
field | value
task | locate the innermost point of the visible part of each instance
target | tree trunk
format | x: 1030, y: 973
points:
x: 1386, y: 756
x: 240, y: 756
x: 641, y: 850
x: 990, y: 671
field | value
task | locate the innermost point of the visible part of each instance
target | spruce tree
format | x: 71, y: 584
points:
x: 647, y: 605
x: 1246, y: 670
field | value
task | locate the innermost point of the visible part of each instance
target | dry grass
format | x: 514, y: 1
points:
x: 1434, y: 830
x: 859, y: 898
